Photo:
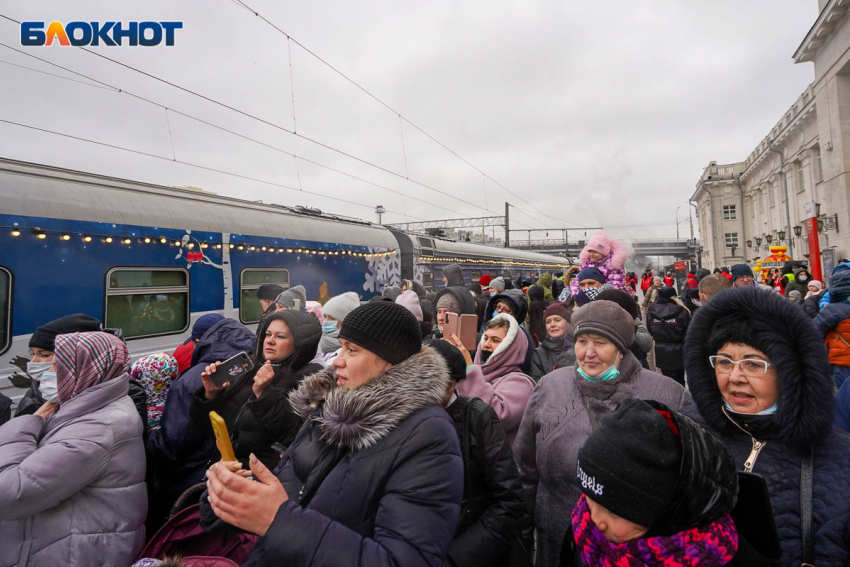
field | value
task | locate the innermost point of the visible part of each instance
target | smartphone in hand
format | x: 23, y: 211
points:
x: 451, y: 326
x: 468, y: 332
x: 231, y: 369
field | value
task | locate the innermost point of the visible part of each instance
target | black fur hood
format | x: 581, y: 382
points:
x: 787, y: 335
x: 357, y: 419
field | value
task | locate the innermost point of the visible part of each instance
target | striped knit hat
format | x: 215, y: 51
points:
x: 84, y: 360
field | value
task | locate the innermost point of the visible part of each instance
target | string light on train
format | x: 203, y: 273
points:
x: 480, y: 261
x: 108, y: 239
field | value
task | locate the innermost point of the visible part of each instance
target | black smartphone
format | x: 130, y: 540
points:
x: 231, y: 369
x: 753, y: 515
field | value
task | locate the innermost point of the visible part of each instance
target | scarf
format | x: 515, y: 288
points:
x: 84, y: 360
x: 155, y: 373
x: 329, y: 342
x: 712, y: 545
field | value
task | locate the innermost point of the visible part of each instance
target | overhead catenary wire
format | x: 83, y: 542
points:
x: 226, y: 130
x: 243, y: 113
x: 394, y: 111
x: 264, y: 121
x: 190, y: 164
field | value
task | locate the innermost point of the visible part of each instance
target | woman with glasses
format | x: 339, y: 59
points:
x: 758, y: 372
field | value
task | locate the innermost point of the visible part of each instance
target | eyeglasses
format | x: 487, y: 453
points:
x: 751, y: 367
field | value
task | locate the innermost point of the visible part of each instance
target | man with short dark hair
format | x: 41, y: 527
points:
x: 712, y: 285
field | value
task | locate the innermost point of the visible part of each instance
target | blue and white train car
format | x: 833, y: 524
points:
x: 151, y: 259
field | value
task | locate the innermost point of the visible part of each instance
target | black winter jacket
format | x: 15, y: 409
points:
x: 802, y: 422
x: 668, y: 322
x: 811, y: 305
x: 454, y: 275
x: 375, y: 476
x: 255, y: 424
x: 545, y: 357
x: 179, y: 450
x: 493, y: 502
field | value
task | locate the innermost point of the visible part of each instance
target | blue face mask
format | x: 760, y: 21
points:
x: 609, y: 374
x: 328, y: 327
x: 769, y: 411
x: 49, y: 387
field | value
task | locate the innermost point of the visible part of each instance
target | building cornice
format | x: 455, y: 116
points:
x: 781, y: 135
x: 831, y: 15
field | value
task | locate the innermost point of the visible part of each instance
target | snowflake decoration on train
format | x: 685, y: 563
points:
x: 383, y: 271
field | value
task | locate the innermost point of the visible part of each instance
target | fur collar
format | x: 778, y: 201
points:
x: 357, y: 419
x: 787, y: 335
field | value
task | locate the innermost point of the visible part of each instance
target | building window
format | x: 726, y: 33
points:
x: 250, y: 280
x: 761, y: 200
x: 752, y: 208
x: 729, y: 212
x: 771, y: 196
x: 146, y: 302
x: 731, y: 240
x: 820, y: 167
x: 5, y: 309
x: 801, y: 185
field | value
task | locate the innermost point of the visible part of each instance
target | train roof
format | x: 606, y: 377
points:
x: 36, y: 190
x: 484, y: 251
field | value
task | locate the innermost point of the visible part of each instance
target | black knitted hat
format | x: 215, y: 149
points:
x: 44, y: 336
x: 269, y: 291
x: 631, y: 463
x: 453, y: 356
x: 385, y: 328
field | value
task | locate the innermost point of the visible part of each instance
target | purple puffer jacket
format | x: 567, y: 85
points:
x: 612, y: 267
x: 72, y: 488
x: 499, y: 381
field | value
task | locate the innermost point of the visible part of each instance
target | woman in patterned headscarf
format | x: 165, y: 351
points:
x: 72, y: 476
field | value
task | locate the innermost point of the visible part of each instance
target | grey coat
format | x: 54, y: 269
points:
x: 554, y: 427
x: 72, y: 489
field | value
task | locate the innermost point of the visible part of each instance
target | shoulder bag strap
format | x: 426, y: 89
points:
x: 467, y: 415
x: 806, y: 517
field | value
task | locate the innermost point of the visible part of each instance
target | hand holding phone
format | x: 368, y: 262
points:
x: 211, y: 389
x: 263, y: 378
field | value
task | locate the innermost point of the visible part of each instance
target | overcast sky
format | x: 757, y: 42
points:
x: 596, y: 113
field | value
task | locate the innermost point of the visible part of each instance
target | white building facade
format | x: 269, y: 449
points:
x: 804, y: 159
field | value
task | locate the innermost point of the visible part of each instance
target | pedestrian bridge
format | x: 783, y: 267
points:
x: 638, y: 247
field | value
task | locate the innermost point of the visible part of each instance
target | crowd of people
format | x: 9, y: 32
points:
x: 602, y: 419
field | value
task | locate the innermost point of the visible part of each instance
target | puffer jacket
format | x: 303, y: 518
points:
x: 668, y: 322
x: 545, y: 281
x: 797, y: 284
x: 556, y: 424
x: 812, y: 304
x: 375, y: 475
x: 833, y: 322
x: 803, y: 420
x: 499, y: 381
x: 612, y: 267
x: 255, y: 424
x: 179, y: 450
x: 72, y: 488
x: 493, y: 501
x: 544, y: 357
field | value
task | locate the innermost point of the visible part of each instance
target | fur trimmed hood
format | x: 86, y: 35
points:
x: 357, y: 419
x: 615, y: 259
x: 787, y: 335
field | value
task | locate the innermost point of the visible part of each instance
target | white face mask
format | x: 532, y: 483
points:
x: 36, y: 369
x: 49, y: 387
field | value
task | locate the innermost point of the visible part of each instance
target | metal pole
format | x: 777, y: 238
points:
x: 677, y: 223
x: 507, y: 225
x: 785, y: 191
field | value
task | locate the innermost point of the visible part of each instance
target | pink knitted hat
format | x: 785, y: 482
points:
x: 599, y: 243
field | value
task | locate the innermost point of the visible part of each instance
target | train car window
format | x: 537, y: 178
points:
x: 146, y: 301
x: 476, y: 275
x: 427, y: 282
x: 5, y: 309
x: 250, y: 279
x: 426, y: 245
